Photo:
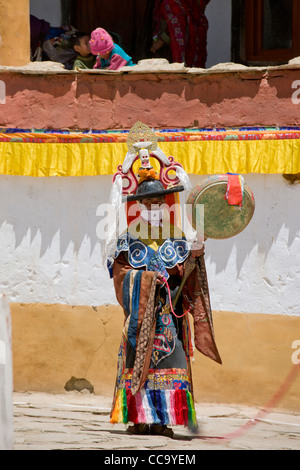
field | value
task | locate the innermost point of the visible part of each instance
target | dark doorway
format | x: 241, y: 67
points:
x: 129, y: 20
x: 178, y: 27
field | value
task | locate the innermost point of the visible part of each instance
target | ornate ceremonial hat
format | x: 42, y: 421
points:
x: 142, y: 144
x: 152, y: 187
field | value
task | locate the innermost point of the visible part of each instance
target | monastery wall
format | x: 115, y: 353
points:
x: 65, y: 318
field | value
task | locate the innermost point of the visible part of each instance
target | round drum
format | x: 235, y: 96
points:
x: 221, y: 220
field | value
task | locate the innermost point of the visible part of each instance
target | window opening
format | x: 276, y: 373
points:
x: 180, y: 24
x: 272, y: 31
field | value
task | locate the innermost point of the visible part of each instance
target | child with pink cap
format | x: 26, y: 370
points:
x: 109, y: 55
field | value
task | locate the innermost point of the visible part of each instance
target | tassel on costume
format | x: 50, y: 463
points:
x: 166, y: 407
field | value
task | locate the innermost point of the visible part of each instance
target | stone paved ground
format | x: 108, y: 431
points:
x: 81, y: 421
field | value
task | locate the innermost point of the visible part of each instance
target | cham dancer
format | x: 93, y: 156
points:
x: 161, y: 283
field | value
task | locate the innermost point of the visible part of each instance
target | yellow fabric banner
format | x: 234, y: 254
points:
x: 196, y: 157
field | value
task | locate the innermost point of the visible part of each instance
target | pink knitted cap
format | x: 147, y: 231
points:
x: 101, y: 42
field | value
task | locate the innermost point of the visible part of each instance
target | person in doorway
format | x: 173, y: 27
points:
x: 109, y: 55
x: 182, y: 26
x: 80, y: 43
x: 158, y: 282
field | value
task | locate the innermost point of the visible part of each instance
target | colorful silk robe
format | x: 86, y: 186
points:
x: 154, y: 382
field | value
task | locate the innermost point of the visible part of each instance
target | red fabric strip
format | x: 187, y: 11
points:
x: 234, y: 194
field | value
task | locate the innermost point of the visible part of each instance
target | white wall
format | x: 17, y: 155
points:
x: 48, y: 240
x: 218, y: 13
x: 258, y: 271
x: 50, y: 251
x: 47, y: 10
x: 6, y: 378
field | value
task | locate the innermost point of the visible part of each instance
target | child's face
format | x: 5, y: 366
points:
x: 84, y: 47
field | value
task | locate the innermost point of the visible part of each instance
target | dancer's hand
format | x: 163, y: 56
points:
x: 160, y: 279
x: 197, y: 248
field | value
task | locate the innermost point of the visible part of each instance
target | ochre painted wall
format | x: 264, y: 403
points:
x: 51, y: 343
x: 14, y: 32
